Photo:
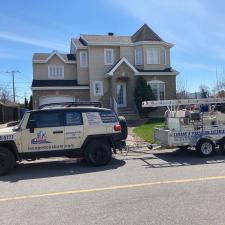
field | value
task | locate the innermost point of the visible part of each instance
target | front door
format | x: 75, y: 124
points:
x: 48, y: 133
x: 122, y: 94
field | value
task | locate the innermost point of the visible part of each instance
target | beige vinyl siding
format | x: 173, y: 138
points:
x: 40, y: 70
x: 82, y: 72
x: 97, y: 67
x: 128, y: 53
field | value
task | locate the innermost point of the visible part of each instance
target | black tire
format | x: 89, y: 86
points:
x: 7, y: 161
x: 123, y: 124
x: 222, y: 146
x: 205, y: 147
x: 98, y: 152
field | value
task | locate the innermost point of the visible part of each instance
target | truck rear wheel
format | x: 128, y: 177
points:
x: 7, y: 161
x: 205, y: 147
x: 98, y: 153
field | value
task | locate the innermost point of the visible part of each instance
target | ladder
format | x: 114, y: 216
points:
x: 178, y: 102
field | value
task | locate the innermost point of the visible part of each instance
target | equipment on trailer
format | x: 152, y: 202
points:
x: 191, y: 123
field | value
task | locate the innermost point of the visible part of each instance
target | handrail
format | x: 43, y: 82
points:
x: 115, y: 106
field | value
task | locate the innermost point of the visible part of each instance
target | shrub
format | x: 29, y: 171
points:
x: 142, y: 92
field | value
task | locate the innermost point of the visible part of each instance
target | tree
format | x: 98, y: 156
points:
x: 5, y: 95
x: 31, y: 102
x: 182, y: 90
x: 26, y: 104
x: 204, y: 91
x: 142, y: 92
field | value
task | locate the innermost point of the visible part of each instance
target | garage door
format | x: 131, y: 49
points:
x: 55, y: 99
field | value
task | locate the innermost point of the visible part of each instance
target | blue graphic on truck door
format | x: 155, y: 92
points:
x: 40, y: 139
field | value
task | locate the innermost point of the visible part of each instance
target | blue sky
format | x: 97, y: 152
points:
x: 196, y: 27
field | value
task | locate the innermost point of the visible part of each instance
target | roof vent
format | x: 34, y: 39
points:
x: 110, y: 33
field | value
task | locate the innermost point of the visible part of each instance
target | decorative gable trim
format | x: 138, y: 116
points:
x: 111, y: 72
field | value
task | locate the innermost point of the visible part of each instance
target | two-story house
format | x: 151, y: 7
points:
x: 104, y: 68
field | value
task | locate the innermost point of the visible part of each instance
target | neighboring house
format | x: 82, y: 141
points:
x: 103, y: 68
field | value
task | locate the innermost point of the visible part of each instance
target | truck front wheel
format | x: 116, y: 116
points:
x: 98, y: 153
x: 205, y: 147
x: 7, y: 161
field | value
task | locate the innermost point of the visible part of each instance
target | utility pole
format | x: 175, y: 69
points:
x: 13, y: 80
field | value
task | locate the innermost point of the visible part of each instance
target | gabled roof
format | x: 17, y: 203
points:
x: 45, y: 57
x: 145, y: 33
x: 117, y: 64
x: 79, y: 42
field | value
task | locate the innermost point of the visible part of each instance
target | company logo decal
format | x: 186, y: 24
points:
x: 40, y: 139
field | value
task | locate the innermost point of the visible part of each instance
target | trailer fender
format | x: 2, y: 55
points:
x: 208, y: 138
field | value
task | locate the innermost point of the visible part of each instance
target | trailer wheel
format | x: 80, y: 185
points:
x: 222, y: 146
x: 205, y: 147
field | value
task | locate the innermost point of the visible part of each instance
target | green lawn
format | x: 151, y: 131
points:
x: 146, y: 130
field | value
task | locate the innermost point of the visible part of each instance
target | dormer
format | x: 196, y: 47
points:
x: 151, y: 52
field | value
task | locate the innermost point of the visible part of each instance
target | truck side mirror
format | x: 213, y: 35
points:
x: 32, y: 125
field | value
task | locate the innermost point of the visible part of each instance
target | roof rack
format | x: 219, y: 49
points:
x: 70, y: 104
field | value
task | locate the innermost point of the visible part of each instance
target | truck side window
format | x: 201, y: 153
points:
x: 73, y: 118
x: 46, y: 119
x: 108, y: 117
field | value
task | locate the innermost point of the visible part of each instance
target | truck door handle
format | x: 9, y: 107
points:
x: 57, y: 132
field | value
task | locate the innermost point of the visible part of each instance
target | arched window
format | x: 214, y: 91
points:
x: 158, y: 88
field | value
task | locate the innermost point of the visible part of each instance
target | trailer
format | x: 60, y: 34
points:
x: 191, y: 123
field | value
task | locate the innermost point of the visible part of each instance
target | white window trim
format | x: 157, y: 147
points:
x: 108, y: 49
x: 101, y: 88
x: 83, y: 65
x: 164, y: 55
x: 135, y: 56
x: 158, y: 82
x: 55, y: 78
x: 148, y: 58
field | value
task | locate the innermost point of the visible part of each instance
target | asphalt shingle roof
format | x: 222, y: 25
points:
x: 53, y: 83
x: 44, y: 56
x: 106, y: 38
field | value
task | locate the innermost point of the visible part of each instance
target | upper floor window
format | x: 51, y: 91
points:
x: 83, y: 59
x: 55, y: 72
x: 158, y: 89
x: 153, y: 55
x: 108, y: 56
x: 98, y: 88
x: 163, y: 56
x: 138, y: 56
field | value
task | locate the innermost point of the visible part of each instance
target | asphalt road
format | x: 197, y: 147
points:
x: 155, y: 187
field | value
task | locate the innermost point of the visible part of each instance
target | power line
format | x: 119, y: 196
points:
x: 13, y: 80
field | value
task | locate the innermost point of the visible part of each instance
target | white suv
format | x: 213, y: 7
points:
x: 91, y: 132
